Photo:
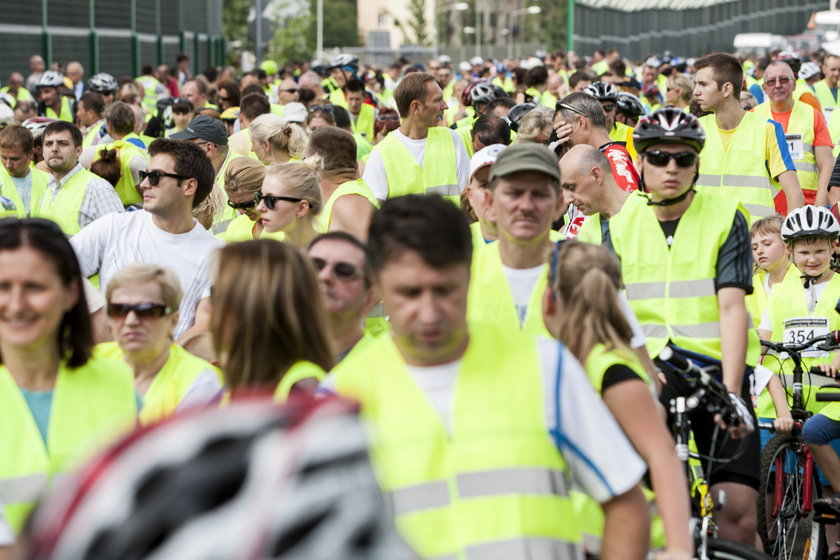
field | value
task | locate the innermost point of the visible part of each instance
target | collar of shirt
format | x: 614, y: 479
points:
x: 56, y: 186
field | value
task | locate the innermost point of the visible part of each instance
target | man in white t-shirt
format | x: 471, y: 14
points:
x: 401, y: 163
x: 472, y: 423
x: 179, y: 178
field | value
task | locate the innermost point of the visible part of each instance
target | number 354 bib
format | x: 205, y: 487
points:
x: 799, y: 330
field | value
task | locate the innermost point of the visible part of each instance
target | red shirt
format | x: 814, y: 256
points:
x: 624, y: 171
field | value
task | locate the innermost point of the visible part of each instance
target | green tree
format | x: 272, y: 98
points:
x: 294, y: 38
x: 340, y: 23
x: 553, y: 34
x: 235, y: 24
x: 415, y: 29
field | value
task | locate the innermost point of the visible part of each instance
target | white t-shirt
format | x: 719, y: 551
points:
x: 522, y: 282
x: 117, y: 240
x: 601, y: 459
x: 375, y: 170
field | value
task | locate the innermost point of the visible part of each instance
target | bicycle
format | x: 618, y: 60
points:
x: 707, y: 392
x: 786, y: 523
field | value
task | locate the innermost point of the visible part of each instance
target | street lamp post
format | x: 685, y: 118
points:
x: 456, y: 7
x: 533, y: 10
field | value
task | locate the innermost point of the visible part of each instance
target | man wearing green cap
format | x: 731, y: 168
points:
x: 508, y: 277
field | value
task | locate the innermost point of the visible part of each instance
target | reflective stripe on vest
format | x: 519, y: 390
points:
x: 740, y: 172
x: 490, y: 300
x: 801, y: 122
x: 672, y: 290
x: 91, y: 404
x: 64, y: 208
x: 358, y: 187
x: 438, y: 174
x: 484, y: 488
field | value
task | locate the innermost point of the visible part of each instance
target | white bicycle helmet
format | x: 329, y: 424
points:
x: 50, y: 79
x: 602, y: 91
x: 345, y: 59
x: 103, y: 83
x: 810, y: 221
x: 809, y: 70
x: 7, y: 116
x: 36, y: 125
x: 251, y: 480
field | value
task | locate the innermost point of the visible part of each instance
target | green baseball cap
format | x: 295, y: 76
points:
x: 527, y: 156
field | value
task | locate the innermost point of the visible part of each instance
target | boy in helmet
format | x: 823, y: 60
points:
x: 687, y: 273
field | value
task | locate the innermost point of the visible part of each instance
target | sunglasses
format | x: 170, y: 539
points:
x: 608, y: 107
x: 141, y: 310
x: 323, y: 108
x: 270, y: 200
x: 661, y: 159
x: 781, y: 81
x: 242, y: 205
x: 292, y: 90
x: 385, y: 118
x: 568, y: 107
x: 343, y: 270
x: 154, y: 176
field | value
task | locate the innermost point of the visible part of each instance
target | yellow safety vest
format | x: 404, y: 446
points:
x: 623, y: 133
x: 490, y: 300
x: 364, y: 122
x: 64, y: 208
x: 91, y: 405
x: 350, y: 188
x: 363, y: 147
x: 438, y: 174
x: 170, y: 385
x: 493, y: 487
x: 337, y: 98
x: 298, y: 372
x: 241, y: 228
x: 672, y: 291
x: 40, y: 180
x: 834, y: 132
x: 590, y: 231
x: 65, y: 113
x: 126, y: 187
x: 150, y: 98
x: 757, y: 301
x: 279, y: 110
x: 465, y: 133
x: 825, y: 97
x: 739, y: 173
x: 92, y: 134
x: 22, y: 94
x: 801, y: 122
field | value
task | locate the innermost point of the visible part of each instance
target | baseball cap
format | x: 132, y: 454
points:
x: 294, y: 112
x: 484, y: 157
x: 527, y: 156
x: 204, y: 128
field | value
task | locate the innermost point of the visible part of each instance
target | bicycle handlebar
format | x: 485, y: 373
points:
x: 831, y: 340
x: 828, y: 397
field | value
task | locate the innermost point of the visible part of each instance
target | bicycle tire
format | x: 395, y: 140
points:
x: 719, y: 549
x: 789, y: 535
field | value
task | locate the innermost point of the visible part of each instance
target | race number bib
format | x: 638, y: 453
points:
x: 800, y: 330
x: 794, y: 142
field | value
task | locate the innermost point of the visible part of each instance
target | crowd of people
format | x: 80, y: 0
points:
x: 338, y: 311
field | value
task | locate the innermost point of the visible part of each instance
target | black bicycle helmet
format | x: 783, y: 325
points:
x: 668, y: 125
x: 602, y: 91
x: 517, y: 112
x: 251, y: 480
x: 630, y: 105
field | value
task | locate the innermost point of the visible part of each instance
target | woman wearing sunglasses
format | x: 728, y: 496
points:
x: 320, y: 116
x: 268, y: 322
x: 143, y: 301
x: 243, y: 179
x: 57, y: 403
x: 289, y: 202
x: 581, y: 308
x: 277, y: 141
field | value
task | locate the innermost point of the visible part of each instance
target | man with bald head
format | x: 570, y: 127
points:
x: 588, y: 183
x: 76, y: 73
x: 36, y: 67
x: 806, y: 134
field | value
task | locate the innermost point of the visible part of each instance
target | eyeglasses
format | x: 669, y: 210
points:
x: 661, y: 159
x: 343, y: 270
x: 783, y: 81
x: 384, y: 118
x: 291, y: 90
x: 142, y: 310
x: 322, y: 108
x: 242, y: 205
x: 270, y: 200
x: 154, y: 176
x: 608, y: 107
x: 568, y: 107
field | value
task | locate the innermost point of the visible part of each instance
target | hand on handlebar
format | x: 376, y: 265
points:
x: 830, y: 369
x: 783, y: 425
x: 743, y: 424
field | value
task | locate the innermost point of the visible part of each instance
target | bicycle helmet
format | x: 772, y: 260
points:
x: 669, y: 125
x: 102, y: 83
x: 517, y: 113
x: 478, y: 92
x: 602, y: 91
x: 50, y: 79
x: 792, y: 60
x: 810, y: 221
x: 36, y: 125
x: 251, y: 480
x: 7, y: 116
x: 343, y: 60
x: 630, y: 105
x: 809, y: 70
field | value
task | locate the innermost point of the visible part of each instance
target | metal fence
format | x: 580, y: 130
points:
x: 114, y: 36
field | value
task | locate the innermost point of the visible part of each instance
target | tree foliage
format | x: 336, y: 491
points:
x: 415, y: 29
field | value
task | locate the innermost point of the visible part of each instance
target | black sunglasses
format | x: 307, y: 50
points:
x: 661, y: 159
x: 142, y: 310
x: 241, y: 205
x: 154, y: 176
x: 270, y: 200
x: 383, y: 118
x: 322, y: 108
x: 343, y: 270
x: 291, y: 90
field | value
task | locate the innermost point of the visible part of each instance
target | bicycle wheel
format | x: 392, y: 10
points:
x: 786, y: 533
x: 719, y: 549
